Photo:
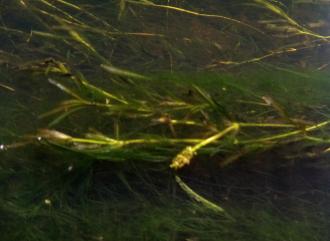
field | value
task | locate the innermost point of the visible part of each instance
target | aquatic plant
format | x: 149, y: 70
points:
x: 136, y: 106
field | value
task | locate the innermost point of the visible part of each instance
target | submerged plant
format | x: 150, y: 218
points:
x: 127, y: 117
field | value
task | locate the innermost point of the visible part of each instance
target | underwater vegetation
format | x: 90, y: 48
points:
x: 164, y: 120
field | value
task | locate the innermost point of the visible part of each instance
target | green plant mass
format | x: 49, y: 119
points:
x: 164, y: 120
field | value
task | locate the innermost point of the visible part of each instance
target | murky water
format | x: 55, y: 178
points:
x: 164, y: 120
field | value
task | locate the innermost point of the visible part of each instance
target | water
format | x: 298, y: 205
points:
x: 100, y: 98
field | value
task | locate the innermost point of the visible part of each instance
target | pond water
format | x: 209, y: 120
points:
x: 164, y: 120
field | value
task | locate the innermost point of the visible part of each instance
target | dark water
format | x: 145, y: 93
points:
x: 261, y: 62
